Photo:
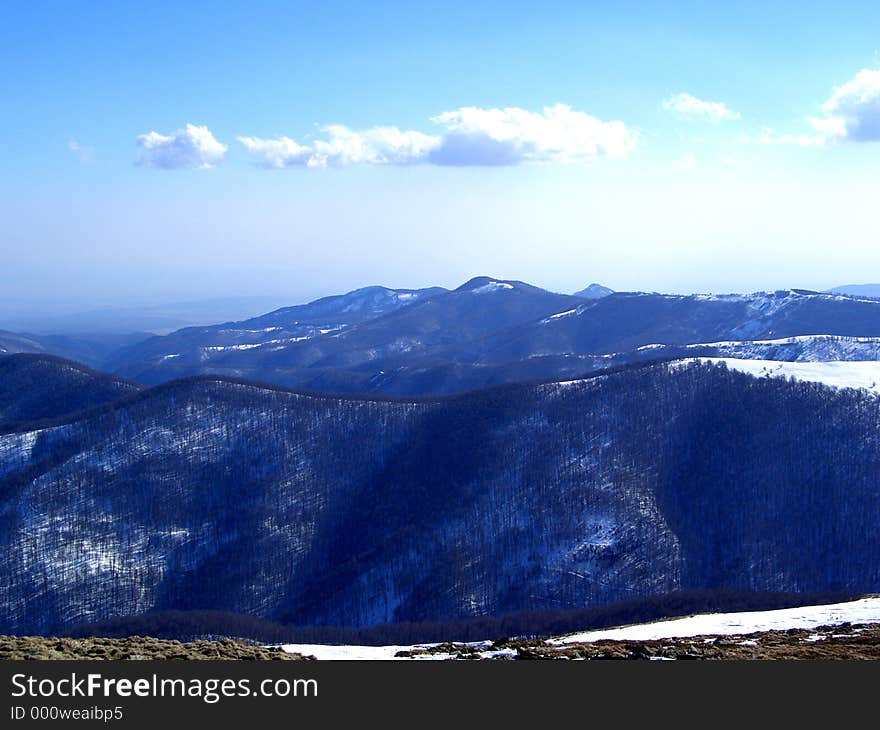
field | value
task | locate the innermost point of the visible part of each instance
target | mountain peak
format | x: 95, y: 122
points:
x: 594, y: 291
x: 485, y: 284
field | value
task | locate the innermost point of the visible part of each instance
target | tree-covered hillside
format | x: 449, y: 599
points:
x: 215, y: 494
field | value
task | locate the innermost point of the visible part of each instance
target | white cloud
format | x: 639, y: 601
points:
x: 344, y: 146
x: 470, y: 136
x: 83, y: 153
x: 190, y: 147
x: 853, y: 111
x: 281, y: 152
x: 509, y: 136
x: 691, y: 107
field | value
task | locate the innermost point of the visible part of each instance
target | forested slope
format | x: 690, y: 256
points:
x: 37, y: 387
x: 213, y: 494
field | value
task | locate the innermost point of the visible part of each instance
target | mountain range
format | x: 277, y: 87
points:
x: 488, y: 331
x: 444, y: 454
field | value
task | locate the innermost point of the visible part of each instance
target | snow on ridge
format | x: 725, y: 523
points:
x: 863, y: 374
x: 862, y: 611
x: 652, y: 346
x: 781, y: 341
x: 560, y: 315
x: 222, y: 348
x: 720, y: 297
x: 492, y: 286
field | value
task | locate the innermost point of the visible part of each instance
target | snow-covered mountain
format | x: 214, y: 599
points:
x: 195, y: 350
x: 355, y: 334
x: 491, y: 331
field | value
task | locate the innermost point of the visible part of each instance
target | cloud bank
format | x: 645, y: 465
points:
x: 851, y: 114
x: 853, y: 111
x: 343, y: 146
x: 690, y: 107
x: 190, y: 147
x: 469, y: 136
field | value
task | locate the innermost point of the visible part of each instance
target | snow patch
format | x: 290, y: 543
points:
x: 492, y: 286
x: 836, y: 373
x: 560, y: 315
x: 864, y: 611
x: 355, y: 653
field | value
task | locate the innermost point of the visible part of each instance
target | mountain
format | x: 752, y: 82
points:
x: 800, y: 348
x: 429, y: 377
x: 871, y: 291
x: 361, y: 328
x: 594, y: 291
x: 625, y: 321
x: 11, y: 343
x: 196, y: 350
x: 41, y: 387
x: 217, y: 494
x: 486, y: 332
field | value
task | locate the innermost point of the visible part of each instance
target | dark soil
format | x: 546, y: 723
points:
x: 135, y: 647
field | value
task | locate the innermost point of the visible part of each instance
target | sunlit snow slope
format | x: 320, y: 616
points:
x: 864, y: 611
x: 838, y: 374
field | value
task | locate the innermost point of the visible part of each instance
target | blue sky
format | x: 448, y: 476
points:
x: 661, y: 146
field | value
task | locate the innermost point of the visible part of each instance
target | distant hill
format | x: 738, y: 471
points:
x: 12, y: 343
x: 89, y: 349
x: 858, y: 290
x: 594, y: 291
x: 43, y: 387
x: 626, y: 321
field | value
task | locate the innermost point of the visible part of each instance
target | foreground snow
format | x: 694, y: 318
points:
x: 864, y: 611
x: 330, y: 651
x: 385, y: 653
x: 838, y: 373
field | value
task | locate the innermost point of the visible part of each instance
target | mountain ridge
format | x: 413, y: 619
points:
x: 486, y: 322
x: 514, y: 498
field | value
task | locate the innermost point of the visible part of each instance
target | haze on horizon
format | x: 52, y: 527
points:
x: 292, y: 151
